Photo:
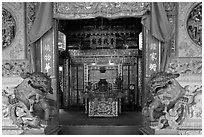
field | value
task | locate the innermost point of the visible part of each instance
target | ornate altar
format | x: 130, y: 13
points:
x: 102, y: 92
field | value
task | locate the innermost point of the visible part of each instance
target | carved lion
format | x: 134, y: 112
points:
x: 29, y: 106
x: 166, y: 105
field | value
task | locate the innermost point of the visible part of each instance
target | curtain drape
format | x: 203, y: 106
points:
x: 157, y: 23
x: 43, y: 23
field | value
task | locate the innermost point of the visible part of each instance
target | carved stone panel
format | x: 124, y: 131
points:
x: 186, y: 47
x: 17, y: 47
x: 76, y: 10
x: 8, y: 28
x: 186, y: 66
x: 194, y: 24
x: 14, y: 68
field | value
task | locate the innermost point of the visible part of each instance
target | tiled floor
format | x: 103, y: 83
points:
x: 78, y: 123
x: 79, y: 118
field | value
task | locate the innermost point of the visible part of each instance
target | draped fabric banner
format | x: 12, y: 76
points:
x: 43, y: 21
x: 42, y: 24
x: 157, y: 23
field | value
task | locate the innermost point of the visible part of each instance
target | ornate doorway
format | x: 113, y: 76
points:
x: 102, y: 42
x: 100, y: 34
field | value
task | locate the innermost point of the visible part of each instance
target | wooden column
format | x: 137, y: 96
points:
x: 49, y: 64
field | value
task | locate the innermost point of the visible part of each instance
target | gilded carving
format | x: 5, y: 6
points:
x: 103, y: 107
x: 76, y: 10
x: 14, y: 68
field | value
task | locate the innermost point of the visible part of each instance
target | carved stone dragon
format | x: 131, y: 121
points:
x: 29, y: 107
x: 167, y: 104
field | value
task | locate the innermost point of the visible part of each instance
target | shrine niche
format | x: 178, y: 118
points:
x: 8, y: 28
x: 102, y: 90
x: 194, y: 24
x: 106, y: 53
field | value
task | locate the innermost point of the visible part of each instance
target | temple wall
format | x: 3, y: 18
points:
x: 14, y: 59
x: 188, y: 59
x: 188, y: 63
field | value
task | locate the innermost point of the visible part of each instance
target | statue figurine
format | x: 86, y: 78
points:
x: 29, y: 106
x: 166, y: 105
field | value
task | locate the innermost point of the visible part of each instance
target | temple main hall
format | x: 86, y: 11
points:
x: 101, y: 68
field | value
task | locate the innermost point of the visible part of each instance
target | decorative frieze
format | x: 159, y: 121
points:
x: 171, y: 11
x: 105, y: 56
x: 79, y: 10
x: 31, y: 8
x: 14, y: 68
x: 190, y: 132
x: 186, y: 66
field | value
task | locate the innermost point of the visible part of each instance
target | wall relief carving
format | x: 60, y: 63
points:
x: 171, y: 11
x: 76, y: 10
x: 194, y: 24
x: 186, y: 66
x: 14, y: 68
x: 13, y: 31
x: 185, y: 46
x: 8, y: 28
x: 171, y: 106
x: 31, y: 9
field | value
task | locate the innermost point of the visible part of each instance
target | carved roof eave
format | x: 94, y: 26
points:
x: 85, y: 10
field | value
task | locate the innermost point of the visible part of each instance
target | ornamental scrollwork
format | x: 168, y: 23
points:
x: 27, y: 105
x: 171, y: 8
x: 186, y: 66
x: 14, y: 68
x: 194, y: 24
x: 31, y: 8
x: 8, y: 28
x: 76, y: 10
